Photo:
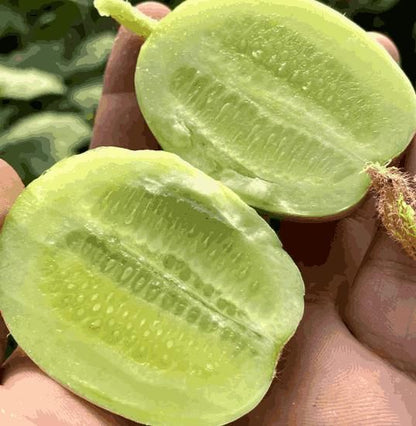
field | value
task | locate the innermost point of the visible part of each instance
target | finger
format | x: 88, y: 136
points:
x: 330, y: 254
x: 118, y: 121
x: 28, y: 395
x: 381, y: 310
x: 327, y: 378
x: 10, y: 187
x: 387, y: 44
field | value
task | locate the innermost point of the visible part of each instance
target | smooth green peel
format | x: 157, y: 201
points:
x: 156, y: 292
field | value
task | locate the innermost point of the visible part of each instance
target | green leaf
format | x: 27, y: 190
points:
x: 11, y: 20
x: 32, y: 6
x: 6, y: 112
x: 26, y: 84
x: 28, y: 5
x: 375, y: 6
x: 351, y: 7
x: 36, y: 142
x: 46, y: 56
x: 174, y: 3
x: 84, y: 3
x: 92, y: 53
x: 11, y: 345
x: 54, y: 20
x: 52, y: 26
x: 87, y: 96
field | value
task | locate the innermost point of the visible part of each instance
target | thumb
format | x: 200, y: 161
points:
x: 119, y: 121
x: 10, y: 187
x: 382, y: 302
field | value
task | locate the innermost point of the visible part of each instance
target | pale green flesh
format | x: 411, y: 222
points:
x: 283, y: 101
x: 154, y: 290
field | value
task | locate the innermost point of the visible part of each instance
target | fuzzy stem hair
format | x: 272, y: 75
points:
x: 395, y: 192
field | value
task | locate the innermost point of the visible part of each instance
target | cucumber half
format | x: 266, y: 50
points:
x: 284, y: 101
x: 147, y: 287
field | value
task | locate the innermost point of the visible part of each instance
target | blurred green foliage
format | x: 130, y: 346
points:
x: 351, y: 7
x: 52, y: 60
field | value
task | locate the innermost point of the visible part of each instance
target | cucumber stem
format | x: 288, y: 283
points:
x: 127, y: 15
x: 395, y: 192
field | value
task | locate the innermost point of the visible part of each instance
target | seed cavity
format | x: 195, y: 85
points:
x: 116, y: 281
x: 157, y: 288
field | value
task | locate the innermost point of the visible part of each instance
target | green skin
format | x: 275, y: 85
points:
x: 150, y: 286
x: 284, y: 131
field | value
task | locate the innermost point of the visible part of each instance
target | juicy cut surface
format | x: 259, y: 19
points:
x: 283, y: 101
x: 157, y: 293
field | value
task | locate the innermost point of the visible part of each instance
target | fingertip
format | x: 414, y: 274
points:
x: 387, y: 43
x: 121, y: 66
x: 10, y: 187
x: 118, y: 121
x: 153, y: 9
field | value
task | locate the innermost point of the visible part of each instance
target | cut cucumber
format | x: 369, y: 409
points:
x: 284, y: 101
x: 147, y: 287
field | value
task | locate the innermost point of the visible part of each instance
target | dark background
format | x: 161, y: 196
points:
x: 49, y: 115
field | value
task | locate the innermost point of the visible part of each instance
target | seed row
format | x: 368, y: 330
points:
x: 148, y: 284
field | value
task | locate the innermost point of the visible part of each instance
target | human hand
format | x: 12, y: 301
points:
x: 352, y: 360
x: 326, y: 375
